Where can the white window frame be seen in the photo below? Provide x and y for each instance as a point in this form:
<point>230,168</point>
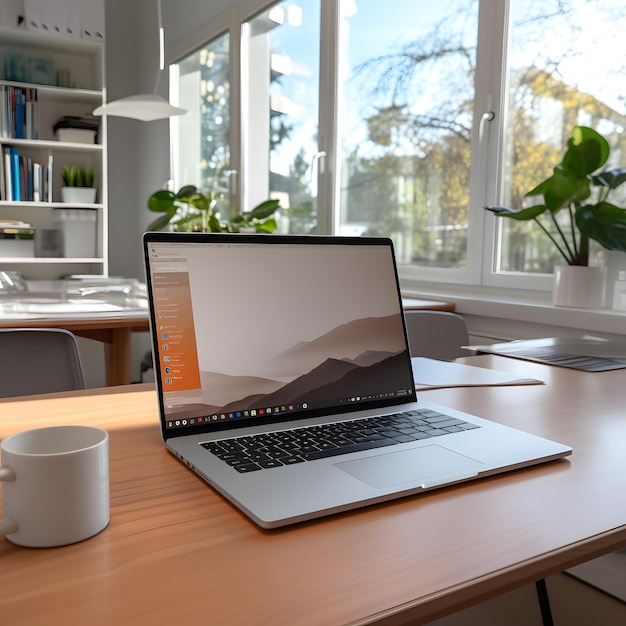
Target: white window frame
<point>227,22</point>
<point>487,143</point>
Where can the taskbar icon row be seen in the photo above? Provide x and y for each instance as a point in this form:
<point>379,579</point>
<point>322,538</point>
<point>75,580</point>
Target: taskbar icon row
<point>235,415</point>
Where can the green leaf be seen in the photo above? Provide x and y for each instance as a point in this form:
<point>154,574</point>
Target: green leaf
<point>587,151</point>
<point>611,178</point>
<point>162,201</point>
<point>566,188</point>
<point>268,226</point>
<point>604,222</point>
<point>263,210</point>
<point>518,214</point>
<point>160,222</point>
<point>214,224</point>
<point>562,188</point>
<point>200,201</point>
<point>186,192</point>
<point>69,176</point>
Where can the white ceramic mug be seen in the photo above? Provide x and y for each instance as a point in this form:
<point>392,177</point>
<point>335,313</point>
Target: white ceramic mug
<point>55,485</point>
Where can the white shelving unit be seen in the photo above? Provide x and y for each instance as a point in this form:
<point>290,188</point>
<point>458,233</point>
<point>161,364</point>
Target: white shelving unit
<point>81,62</point>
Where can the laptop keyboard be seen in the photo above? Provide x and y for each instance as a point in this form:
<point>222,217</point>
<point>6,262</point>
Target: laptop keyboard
<point>287,447</point>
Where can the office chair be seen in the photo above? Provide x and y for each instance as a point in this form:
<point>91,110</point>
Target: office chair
<point>38,360</point>
<point>436,334</point>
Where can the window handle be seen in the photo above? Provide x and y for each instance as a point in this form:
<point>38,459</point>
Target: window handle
<point>319,158</point>
<point>487,116</point>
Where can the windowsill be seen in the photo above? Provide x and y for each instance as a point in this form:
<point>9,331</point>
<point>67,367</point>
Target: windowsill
<point>521,306</point>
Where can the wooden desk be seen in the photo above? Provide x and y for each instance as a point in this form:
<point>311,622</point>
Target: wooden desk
<point>176,552</point>
<point>114,332</point>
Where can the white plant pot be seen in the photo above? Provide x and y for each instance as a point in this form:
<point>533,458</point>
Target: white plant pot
<point>78,195</point>
<point>579,286</point>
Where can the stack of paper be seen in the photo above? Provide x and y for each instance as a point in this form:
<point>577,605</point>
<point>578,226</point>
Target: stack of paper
<point>434,374</point>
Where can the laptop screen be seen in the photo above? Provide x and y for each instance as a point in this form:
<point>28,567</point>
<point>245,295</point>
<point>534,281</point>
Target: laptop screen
<point>273,328</point>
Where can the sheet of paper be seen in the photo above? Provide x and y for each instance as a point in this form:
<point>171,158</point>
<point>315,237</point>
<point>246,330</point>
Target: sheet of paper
<point>435,374</point>
<point>81,310</point>
<point>37,307</point>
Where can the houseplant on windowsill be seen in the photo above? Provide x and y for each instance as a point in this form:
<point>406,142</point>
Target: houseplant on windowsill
<point>581,191</point>
<point>78,185</point>
<point>190,210</point>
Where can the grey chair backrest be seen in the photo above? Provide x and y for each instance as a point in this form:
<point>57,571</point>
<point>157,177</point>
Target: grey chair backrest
<point>38,360</point>
<point>436,334</point>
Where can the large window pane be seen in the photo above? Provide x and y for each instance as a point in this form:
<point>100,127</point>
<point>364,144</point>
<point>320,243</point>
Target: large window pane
<point>406,97</point>
<point>202,138</point>
<point>282,109</point>
<point>565,68</point>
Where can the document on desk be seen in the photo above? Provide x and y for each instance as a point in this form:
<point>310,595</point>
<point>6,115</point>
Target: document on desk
<point>435,374</point>
<point>38,308</point>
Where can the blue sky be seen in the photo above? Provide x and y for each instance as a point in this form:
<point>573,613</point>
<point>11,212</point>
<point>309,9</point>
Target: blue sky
<point>376,28</point>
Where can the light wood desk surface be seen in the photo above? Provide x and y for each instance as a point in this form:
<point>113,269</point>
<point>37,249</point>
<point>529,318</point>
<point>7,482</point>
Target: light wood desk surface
<point>176,552</point>
<point>114,332</point>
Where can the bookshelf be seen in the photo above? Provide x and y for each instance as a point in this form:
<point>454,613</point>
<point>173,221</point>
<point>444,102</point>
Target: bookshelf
<point>76,68</point>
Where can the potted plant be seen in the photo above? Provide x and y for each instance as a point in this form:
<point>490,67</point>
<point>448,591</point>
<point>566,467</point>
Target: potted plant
<point>78,185</point>
<point>191,210</point>
<point>578,188</point>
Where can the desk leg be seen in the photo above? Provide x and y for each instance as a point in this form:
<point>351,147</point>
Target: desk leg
<point>544,602</point>
<point>118,357</point>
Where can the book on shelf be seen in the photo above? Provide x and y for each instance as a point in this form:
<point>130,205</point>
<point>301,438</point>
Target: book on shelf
<point>24,180</point>
<point>15,174</point>
<point>19,112</point>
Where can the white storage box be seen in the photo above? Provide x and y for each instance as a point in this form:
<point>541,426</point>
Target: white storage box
<point>78,229</point>
<point>75,135</point>
<point>17,241</point>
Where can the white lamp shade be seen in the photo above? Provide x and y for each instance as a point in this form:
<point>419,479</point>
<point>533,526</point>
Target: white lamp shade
<point>145,107</point>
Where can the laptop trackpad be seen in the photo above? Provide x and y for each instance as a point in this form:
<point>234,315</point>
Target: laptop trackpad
<point>421,465</point>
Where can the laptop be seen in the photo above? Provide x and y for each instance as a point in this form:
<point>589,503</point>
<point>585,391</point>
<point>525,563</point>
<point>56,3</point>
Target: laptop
<point>284,378</point>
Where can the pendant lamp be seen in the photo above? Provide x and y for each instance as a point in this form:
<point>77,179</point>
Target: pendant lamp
<point>148,106</point>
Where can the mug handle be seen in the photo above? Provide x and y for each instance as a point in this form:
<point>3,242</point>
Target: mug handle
<point>7,526</point>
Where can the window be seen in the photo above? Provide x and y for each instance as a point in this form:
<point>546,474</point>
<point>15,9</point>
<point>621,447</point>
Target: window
<point>281,110</point>
<point>406,109</point>
<point>202,137</point>
<point>404,119</point>
<point>564,69</point>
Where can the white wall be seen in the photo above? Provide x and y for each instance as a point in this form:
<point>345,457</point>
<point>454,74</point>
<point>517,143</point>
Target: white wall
<point>182,18</point>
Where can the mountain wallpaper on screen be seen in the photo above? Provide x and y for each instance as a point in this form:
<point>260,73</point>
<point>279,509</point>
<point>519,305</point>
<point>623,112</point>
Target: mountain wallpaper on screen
<point>365,357</point>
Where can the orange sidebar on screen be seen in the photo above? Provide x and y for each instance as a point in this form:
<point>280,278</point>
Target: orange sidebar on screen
<point>178,357</point>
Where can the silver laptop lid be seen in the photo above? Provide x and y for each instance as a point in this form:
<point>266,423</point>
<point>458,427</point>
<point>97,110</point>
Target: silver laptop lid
<point>266,328</point>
